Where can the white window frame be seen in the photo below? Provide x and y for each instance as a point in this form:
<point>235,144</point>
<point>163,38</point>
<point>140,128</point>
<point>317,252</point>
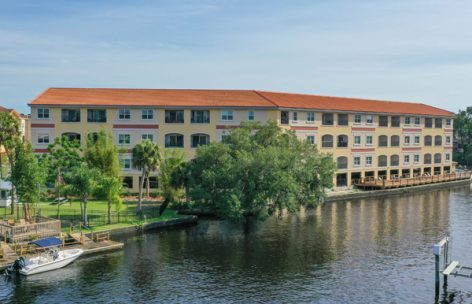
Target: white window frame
<point>417,121</point>
<point>447,157</point>
<point>354,161</point>
<point>227,115</point>
<point>406,159</point>
<point>369,163</point>
<point>120,113</point>
<point>43,136</point>
<point>311,136</point>
<point>310,117</point>
<point>371,140</point>
<point>145,136</point>
<point>369,118</point>
<point>355,119</point>
<point>147,114</point>
<point>124,135</point>
<point>407,120</point>
<point>43,110</point>
<point>419,140</point>
<point>405,141</point>
<point>448,122</point>
<point>251,115</point>
<point>124,161</point>
<point>416,159</point>
<point>360,140</point>
<point>448,140</point>
<point>295,117</point>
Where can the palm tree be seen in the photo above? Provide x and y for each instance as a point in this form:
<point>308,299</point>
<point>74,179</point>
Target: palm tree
<point>146,157</point>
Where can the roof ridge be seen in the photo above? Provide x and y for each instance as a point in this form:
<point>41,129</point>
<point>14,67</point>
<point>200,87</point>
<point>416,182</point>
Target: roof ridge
<point>264,97</point>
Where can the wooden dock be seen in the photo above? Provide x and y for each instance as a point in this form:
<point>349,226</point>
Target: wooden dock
<point>369,183</point>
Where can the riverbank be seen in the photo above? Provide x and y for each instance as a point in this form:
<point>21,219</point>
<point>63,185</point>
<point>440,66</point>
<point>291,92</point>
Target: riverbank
<point>358,194</point>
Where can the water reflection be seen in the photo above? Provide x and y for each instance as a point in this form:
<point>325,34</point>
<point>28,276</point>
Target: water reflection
<point>360,251</point>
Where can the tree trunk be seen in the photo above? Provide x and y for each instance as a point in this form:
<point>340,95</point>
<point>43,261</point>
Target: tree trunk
<point>163,206</point>
<point>12,199</point>
<point>147,186</point>
<point>1,165</point>
<point>109,211</point>
<point>26,211</point>
<point>85,219</point>
<point>82,211</point>
<point>140,199</point>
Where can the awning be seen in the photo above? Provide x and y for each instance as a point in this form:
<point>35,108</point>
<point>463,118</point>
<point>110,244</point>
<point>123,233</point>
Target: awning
<point>47,242</point>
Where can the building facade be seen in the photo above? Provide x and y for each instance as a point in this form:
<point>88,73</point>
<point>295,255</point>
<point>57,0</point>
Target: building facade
<point>366,138</point>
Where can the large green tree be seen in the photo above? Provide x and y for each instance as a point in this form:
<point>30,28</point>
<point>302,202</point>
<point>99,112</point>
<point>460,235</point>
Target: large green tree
<point>28,175</point>
<point>145,157</point>
<point>463,136</point>
<point>257,170</point>
<point>172,162</point>
<point>9,137</point>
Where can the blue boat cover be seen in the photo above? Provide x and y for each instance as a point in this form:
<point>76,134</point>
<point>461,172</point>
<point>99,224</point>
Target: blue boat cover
<point>47,242</point>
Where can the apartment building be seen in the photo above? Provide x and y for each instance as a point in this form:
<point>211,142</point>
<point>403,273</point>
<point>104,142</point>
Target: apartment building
<point>367,138</point>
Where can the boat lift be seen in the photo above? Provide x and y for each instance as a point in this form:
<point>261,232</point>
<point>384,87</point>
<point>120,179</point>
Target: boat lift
<point>449,268</point>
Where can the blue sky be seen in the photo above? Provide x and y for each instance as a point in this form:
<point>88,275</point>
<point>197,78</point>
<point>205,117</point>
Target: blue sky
<point>393,50</point>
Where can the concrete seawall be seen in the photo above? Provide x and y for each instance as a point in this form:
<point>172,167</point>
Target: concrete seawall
<point>396,191</point>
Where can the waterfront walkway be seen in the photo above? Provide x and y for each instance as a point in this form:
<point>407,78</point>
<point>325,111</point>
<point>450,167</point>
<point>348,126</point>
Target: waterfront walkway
<point>370,183</point>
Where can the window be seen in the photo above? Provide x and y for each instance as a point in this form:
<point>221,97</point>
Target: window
<point>383,121</point>
<point>310,139</point>
<point>174,141</point>
<point>427,159</point>
<point>200,116</point>
<point>327,141</point>
<point>225,137</point>
<point>438,140</point>
<point>416,158</point>
<point>70,115</point>
<point>357,140</point>
<point>369,119</point>
<point>428,122</point>
<point>43,113</point>
<point>153,182</point>
<point>250,115</point>
<point>407,120</point>
<point>437,158</point>
<point>327,119</point>
<point>369,140</point>
<point>406,159</point>
<point>43,138</point>
<point>128,182</point>
<point>343,119</point>
<point>357,119</point>
<point>94,115</point>
<point>200,139</point>
<point>395,141</point>
<point>149,137</point>
<point>406,140</point>
<point>428,140</point>
<point>357,161</point>
<point>284,117</point>
<point>174,116</point>
<point>448,140</point>
<point>126,164</point>
<point>310,116</point>
<point>368,160</point>
<point>448,122</point>
<point>124,139</point>
<point>227,115</point>
<point>295,116</point>
<point>438,123</point>
<point>382,161</point>
<point>448,157</point>
<point>147,114</point>
<point>71,136</point>
<point>395,121</point>
<point>383,141</point>
<point>124,114</point>
<point>342,141</point>
<point>417,121</point>
<point>417,139</point>
<point>341,162</point>
<point>394,160</point>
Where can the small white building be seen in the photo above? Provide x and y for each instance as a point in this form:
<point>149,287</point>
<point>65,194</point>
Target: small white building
<point>5,194</point>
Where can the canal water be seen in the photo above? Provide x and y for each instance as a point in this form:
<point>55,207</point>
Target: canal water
<point>361,251</point>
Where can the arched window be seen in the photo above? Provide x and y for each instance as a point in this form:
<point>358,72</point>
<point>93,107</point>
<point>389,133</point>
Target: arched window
<point>438,140</point>
<point>395,141</point>
<point>341,162</point>
<point>437,158</point>
<point>394,160</point>
<point>342,141</point>
<point>383,141</point>
<point>428,140</point>
<point>427,159</point>
<point>200,139</point>
<point>327,141</point>
<point>71,136</point>
<point>382,160</point>
<point>174,140</point>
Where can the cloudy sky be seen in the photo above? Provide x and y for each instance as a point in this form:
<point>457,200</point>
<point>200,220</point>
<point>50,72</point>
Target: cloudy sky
<point>395,50</point>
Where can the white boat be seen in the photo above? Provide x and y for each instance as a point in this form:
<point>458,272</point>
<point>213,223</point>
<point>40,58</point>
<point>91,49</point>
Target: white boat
<point>50,261</point>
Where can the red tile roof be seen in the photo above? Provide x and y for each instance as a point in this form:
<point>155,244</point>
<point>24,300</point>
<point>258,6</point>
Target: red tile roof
<point>226,98</point>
